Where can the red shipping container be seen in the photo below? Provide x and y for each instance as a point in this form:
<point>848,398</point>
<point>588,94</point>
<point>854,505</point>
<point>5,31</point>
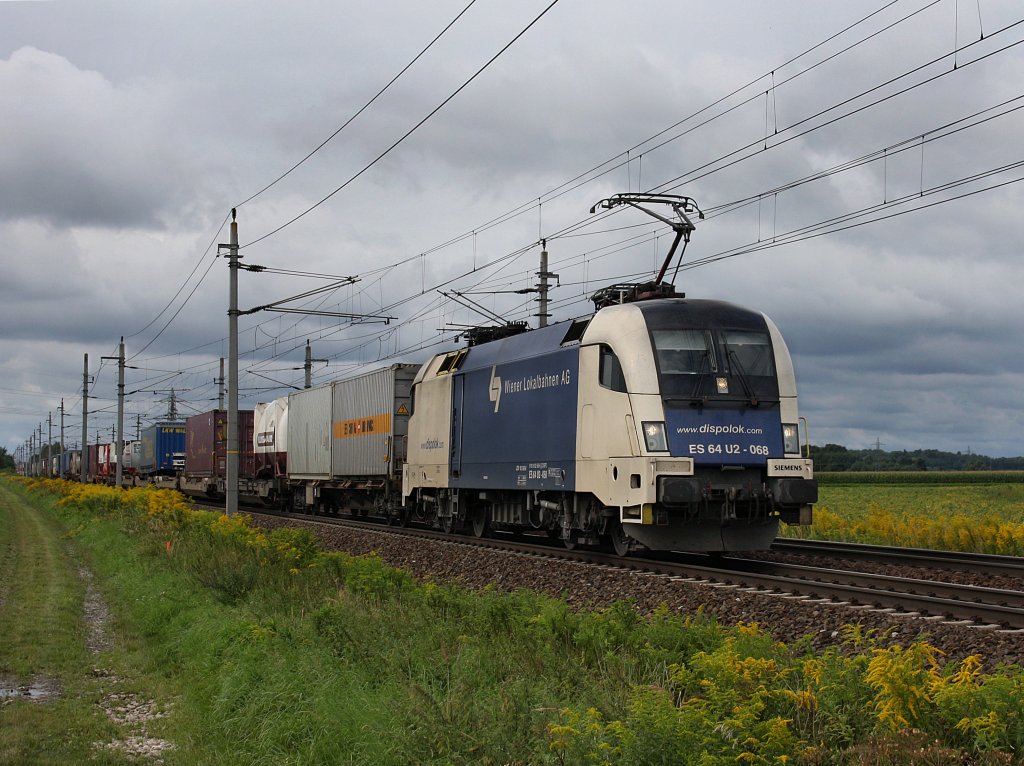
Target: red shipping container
<point>206,444</point>
<point>93,456</point>
<point>105,465</point>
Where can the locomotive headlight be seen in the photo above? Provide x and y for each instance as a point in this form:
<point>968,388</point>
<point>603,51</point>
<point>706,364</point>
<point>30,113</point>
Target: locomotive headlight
<point>790,438</point>
<point>654,437</point>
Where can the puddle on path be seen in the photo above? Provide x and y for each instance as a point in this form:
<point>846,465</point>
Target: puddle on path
<point>39,689</point>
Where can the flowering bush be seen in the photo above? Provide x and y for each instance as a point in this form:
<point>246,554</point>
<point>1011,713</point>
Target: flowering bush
<point>753,700</point>
<point>676,689</point>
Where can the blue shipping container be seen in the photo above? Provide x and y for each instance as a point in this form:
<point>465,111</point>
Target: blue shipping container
<point>162,446</point>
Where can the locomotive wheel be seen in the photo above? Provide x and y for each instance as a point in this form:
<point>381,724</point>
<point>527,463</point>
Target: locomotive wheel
<point>619,539</point>
<point>481,521</point>
<point>447,524</point>
<point>572,541</point>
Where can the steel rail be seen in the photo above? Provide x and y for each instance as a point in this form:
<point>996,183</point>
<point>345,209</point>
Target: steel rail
<point>988,563</point>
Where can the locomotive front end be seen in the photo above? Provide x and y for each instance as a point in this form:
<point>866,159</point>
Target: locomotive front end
<point>707,396</point>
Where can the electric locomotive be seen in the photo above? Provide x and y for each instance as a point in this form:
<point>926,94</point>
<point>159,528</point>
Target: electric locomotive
<point>669,423</point>
<point>660,421</point>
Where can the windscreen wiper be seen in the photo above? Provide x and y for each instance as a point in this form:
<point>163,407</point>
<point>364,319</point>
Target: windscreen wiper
<point>741,374</point>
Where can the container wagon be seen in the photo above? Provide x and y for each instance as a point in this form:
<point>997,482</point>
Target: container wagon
<point>206,446</point>
<point>347,443</point>
<point>162,453</point>
<point>270,436</point>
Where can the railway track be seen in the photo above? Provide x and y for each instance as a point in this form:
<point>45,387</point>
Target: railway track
<point>927,599</point>
<point>985,563</point>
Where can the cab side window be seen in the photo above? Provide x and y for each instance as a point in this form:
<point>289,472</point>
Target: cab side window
<point>610,371</point>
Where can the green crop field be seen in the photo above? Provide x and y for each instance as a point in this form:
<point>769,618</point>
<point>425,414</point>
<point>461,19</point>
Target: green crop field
<point>950,511</point>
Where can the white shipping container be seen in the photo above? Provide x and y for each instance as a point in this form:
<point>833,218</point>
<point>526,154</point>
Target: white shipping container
<point>271,428</point>
<point>309,433</point>
<point>370,421</point>
<point>132,454</point>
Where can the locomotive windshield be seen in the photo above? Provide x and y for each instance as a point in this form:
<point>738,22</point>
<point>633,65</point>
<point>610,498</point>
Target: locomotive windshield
<point>684,352</point>
<point>749,352</point>
<point>697,363</point>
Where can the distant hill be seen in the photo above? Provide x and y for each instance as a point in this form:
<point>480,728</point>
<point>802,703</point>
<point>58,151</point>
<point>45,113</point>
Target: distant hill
<point>835,457</point>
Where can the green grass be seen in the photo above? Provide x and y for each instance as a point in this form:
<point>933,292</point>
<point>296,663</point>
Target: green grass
<point>42,644</point>
<point>266,650</point>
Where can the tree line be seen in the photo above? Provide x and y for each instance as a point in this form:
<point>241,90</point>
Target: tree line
<point>835,457</point>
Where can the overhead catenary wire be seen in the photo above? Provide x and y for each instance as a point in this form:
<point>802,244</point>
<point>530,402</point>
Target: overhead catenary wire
<point>581,230</point>
<point>411,130</point>
<point>280,178</point>
<point>361,109</point>
<point>533,202</point>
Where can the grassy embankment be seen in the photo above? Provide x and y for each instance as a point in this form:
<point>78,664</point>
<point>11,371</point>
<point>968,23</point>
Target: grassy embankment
<point>971,511</point>
<point>267,650</point>
<point>42,643</point>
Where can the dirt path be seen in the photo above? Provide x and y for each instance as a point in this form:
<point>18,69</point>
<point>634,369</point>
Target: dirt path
<point>58,657</point>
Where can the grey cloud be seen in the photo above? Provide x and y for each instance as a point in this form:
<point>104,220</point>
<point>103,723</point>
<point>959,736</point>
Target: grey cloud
<point>138,127</point>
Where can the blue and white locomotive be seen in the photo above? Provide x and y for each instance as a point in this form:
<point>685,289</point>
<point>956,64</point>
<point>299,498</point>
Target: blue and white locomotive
<point>670,422</point>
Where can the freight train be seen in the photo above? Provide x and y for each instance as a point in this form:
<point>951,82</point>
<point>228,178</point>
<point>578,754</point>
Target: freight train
<point>657,422</point>
<point>157,457</point>
<point>668,423</point>
<point>662,423</point>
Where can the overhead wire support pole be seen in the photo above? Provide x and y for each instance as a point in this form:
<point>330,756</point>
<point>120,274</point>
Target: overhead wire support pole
<point>220,386</point>
<point>60,471</point>
<point>120,413</point>
<point>84,472</point>
<point>543,286</point>
<point>118,445</point>
<point>231,490</point>
<point>308,366</point>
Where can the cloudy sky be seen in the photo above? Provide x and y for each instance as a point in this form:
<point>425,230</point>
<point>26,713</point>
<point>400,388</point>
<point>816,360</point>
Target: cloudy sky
<point>857,163</point>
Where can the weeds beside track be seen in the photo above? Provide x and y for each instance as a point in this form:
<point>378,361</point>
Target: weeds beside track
<point>286,654</point>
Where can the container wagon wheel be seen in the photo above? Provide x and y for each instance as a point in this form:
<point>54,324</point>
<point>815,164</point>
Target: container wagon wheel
<point>398,518</point>
<point>481,521</point>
